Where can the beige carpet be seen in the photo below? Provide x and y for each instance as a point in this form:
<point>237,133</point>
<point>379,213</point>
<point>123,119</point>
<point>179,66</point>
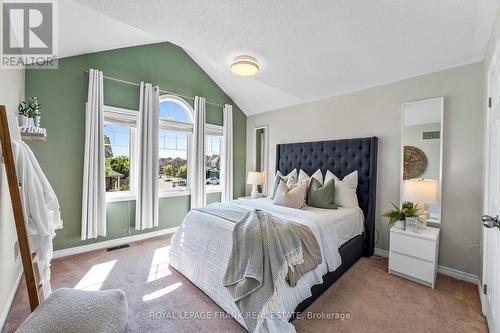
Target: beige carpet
<point>161,300</point>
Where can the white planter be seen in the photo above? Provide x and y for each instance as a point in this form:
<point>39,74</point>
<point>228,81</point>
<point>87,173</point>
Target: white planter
<point>37,121</point>
<point>400,224</point>
<point>23,121</point>
<point>31,122</point>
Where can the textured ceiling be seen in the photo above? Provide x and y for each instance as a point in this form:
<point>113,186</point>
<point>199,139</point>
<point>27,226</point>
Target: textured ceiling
<point>84,30</point>
<point>312,49</point>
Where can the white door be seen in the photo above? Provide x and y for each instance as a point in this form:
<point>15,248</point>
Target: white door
<point>491,231</point>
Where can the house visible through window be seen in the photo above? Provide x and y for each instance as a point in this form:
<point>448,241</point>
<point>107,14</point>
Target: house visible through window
<point>176,127</point>
<point>213,148</point>
<point>174,147</point>
<point>117,143</point>
<point>173,150</point>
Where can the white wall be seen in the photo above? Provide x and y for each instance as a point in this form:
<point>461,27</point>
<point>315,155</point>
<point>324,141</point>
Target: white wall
<point>11,93</point>
<point>377,112</point>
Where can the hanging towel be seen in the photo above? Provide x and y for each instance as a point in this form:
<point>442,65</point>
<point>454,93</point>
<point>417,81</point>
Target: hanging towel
<point>41,209</point>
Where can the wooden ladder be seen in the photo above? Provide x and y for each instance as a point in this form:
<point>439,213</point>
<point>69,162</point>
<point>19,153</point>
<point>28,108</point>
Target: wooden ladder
<point>17,208</point>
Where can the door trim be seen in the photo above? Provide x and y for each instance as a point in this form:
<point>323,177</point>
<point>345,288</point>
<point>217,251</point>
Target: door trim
<point>486,160</point>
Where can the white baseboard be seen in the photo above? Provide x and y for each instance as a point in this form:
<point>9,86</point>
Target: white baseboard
<point>454,273</point>
<point>8,304</point>
<point>111,243</point>
<point>381,253</point>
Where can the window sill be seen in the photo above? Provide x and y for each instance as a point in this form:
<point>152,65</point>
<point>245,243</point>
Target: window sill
<point>132,197</point>
<point>118,197</point>
<point>213,190</point>
<point>174,194</point>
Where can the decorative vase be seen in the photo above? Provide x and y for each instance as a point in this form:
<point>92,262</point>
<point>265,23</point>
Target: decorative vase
<point>31,122</point>
<point>421,224</point>
<point>37,121</point>
<point>411,223</point>
<point>400,224</point>
<point>23,120</point>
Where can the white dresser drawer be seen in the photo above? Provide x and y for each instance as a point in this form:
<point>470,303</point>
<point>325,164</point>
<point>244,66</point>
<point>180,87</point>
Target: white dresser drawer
<point>413,267</point>
<point>413,246</point>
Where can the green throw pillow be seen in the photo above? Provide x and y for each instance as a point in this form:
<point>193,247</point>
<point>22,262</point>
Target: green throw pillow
<point>276,184</point>
<point>321,196</point>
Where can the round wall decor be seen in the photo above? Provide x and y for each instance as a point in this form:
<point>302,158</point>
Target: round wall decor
<point>415,162</point>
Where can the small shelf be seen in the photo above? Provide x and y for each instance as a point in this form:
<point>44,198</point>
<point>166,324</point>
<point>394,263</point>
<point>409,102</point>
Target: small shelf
<point>33,137</point>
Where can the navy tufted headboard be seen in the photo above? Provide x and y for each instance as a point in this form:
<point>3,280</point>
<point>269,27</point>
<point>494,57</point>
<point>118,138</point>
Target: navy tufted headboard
<point>340,157</point>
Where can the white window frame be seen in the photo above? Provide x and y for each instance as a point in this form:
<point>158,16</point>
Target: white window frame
<point>172,125</point>
<point>217,130</point>
<point>124,117</point>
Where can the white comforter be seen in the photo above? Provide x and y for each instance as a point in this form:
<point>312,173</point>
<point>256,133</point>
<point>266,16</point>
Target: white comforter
<point>201,247</point>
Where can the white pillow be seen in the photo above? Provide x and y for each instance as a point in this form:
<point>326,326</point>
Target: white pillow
<point>292,197</point>
<point>290,179</point>
<point>345,189</point>
<point>304,177</point>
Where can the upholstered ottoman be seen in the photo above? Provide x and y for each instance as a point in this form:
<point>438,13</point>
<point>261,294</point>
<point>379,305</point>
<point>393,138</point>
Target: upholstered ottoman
<point>79,311</point>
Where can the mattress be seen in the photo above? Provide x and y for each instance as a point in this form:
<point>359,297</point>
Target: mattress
<point>201,247</point>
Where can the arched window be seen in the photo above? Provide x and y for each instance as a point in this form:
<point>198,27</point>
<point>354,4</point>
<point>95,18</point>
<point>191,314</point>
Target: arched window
<point>173,108</point>
<point>176,128</point>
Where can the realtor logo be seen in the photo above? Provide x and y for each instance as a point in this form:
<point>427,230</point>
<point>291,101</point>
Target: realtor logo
<point>29,34</point>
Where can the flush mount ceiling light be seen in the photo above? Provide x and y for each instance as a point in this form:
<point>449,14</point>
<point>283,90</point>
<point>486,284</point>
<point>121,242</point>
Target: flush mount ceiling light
<point>245,66</point>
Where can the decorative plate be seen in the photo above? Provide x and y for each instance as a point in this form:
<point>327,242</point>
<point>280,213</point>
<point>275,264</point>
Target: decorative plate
<point>415,162</point>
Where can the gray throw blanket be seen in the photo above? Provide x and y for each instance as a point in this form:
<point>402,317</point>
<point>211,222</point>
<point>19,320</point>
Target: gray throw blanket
<point>266,251</point>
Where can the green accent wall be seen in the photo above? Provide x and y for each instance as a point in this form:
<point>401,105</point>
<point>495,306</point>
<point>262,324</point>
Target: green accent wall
<point>63,93</point>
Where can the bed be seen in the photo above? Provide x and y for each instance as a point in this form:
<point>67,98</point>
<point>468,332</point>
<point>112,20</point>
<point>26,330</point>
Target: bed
<point>201,247</point>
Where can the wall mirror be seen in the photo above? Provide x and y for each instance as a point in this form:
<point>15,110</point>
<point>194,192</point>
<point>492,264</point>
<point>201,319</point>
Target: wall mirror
<point>261,142</point>
<point>422,156</point>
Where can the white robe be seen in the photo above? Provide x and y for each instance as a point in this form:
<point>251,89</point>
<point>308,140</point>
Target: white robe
<point>41,209</point>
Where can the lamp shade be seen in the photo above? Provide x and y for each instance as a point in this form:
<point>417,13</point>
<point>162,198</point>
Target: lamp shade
<point>255,178</point>
<point>420,191</point>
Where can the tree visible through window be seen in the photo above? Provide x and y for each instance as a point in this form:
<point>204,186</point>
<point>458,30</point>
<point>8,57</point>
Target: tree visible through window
<point>173,150</point>
<point>117,157</point>
<point>175,128</point>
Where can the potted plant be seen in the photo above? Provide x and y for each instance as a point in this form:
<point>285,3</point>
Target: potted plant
<point>398,216</point>
<point>29,112</point>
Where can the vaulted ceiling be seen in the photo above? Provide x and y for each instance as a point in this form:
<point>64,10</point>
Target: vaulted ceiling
<point>307,49</point>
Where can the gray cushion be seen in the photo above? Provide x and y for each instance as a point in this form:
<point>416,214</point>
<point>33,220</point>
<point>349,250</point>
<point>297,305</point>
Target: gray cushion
<point>321,196</point>
<point>79,311</point>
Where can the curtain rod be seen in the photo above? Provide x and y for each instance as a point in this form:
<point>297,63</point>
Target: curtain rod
<point>162,91</point>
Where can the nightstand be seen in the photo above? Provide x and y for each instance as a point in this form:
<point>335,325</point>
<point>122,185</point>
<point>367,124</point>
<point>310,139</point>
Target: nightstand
<point>414,256</point>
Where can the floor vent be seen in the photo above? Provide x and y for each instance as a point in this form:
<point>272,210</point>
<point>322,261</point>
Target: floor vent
<point>109,249</point>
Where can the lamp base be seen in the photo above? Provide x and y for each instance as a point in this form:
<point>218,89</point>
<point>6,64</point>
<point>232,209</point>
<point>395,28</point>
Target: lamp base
<point>254,194</point>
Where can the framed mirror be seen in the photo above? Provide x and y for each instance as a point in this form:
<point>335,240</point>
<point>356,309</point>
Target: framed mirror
<point>261,138</point>
<point>422,156</point>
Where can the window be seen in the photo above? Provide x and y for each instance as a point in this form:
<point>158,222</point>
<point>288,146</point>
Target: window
<point>119,149</point>
<point>174,147</point>
<point>173,152</point>
<point>176,127</point>
<point>170,110</point>
<point>213,149</point>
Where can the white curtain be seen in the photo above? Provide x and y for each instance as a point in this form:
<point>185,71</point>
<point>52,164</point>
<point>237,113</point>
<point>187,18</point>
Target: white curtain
<point>197,172</point>
<point>94,194</point>
<point>227,155</point>
<point>146,209</point>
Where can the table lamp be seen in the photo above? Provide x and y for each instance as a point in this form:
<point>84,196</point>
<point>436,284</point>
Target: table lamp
<point>421,192</point>
<point>254,179</point>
